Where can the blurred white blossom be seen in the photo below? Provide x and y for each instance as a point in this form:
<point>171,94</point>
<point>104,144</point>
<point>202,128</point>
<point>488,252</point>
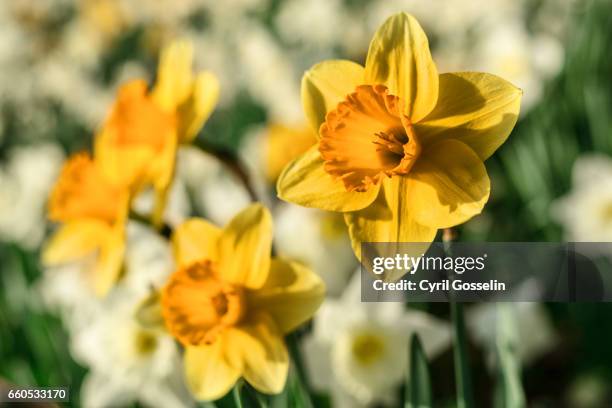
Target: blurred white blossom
<point>25,182</point>
<point>127,362</point>
<point>532,326</point>
<point>586,211</point>
<point>358,351</point>
<point>217,193</point>
<point>328,252</point>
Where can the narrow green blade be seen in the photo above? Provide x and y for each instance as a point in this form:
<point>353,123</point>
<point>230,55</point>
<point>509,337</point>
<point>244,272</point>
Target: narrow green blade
<point>418,385</point>
<point>509,390</point>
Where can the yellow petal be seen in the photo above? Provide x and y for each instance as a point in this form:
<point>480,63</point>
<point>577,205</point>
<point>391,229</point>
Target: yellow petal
<point>258,345</point>
<point>109,262</point>
<point>399,58</point>
<point>196,109</point>
<point>325,85</point>
<point>305,182</point>
<point>245,247</point>
<point>291,294</point>
<point>209,375</point>
<point>174,78</point>
<point>448,185</point>
<point>75,240</point>
<point>137,143</point>
<point>388,219</point>
<point>195,240</point>
<point>282,144</point>
<point>477,109</point>
<point>125,166</point>
<point>161,173</point>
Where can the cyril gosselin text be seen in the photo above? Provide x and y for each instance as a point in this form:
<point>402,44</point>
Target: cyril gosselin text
<point>445,274</point>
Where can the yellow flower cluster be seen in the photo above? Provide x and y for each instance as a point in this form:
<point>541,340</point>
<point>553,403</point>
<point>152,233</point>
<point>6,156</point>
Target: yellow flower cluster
<point>399,151</point>
<point>134,149</point>
<point>228,302</point>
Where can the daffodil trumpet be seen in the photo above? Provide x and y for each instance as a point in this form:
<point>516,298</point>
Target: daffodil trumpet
<point>92,212</point>
<point>400,148</point>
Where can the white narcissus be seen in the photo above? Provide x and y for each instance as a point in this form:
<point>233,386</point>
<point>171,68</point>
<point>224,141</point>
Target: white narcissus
<point>127,362</point>
<point>358,351</point>
<point>586,211</point>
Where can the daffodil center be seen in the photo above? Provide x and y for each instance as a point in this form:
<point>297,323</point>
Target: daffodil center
<point>367,137</point>
<point>367,348</point>
<point>197,305</point>
<point>606,213</point>
<point>145,342</point>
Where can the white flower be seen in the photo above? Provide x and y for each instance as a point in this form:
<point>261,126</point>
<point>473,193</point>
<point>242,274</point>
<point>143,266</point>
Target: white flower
<point>217,192</point>
<point>510,51</point>
<point>359,351</point>
<point>66,290</point>
<point>586,211</point>
<point>269,76</point>
<point>532,328</point>
<point>25,183</point>
<point>328,251</point>
<point>127,361</point>
<point>317,23</point>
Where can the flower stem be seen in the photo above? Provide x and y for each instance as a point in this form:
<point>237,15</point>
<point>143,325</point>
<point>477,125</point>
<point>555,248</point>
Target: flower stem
<point>300,370</point>
<point>465,398</point>
<point>231,160</point>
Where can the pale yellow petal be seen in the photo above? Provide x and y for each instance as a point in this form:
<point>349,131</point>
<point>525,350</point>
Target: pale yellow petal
<point>209,375</point>
<point>477,109</point>
<point>325,85</point>
<point>258,344</point>
<point>124,166</point>
<point>291,295</point>
<point>196,109</point>
<point>245,247</point>
<point>174,76</point>
<point>388,219</point>
<point>75,240</point>
<point>110,261</point>
<point>448,185</point>
<point>161,173</point>
<point>399,58</point>
<point>195,240</point>
<point>305,182</point>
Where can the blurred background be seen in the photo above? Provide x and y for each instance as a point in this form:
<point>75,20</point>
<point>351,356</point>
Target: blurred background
<point>61,62</point>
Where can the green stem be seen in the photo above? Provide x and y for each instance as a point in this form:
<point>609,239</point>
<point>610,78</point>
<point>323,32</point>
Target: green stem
<point>236,393</point>
<point>463,381</point>
<point>300,369</point>
<point>231,160</point>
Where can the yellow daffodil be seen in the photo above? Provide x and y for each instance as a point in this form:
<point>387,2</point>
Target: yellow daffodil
<point>93,213</point>
<point>137,144</point>
<point>230,305</point>
<point>401,147</point>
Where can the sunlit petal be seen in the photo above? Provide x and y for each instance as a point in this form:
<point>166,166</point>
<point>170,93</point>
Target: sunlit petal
<point>305,182</point>
<point>477,109</point>
<point>399,58</point>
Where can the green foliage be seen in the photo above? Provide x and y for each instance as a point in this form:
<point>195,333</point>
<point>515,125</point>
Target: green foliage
<point>509,390</point>
<point>418,383</point>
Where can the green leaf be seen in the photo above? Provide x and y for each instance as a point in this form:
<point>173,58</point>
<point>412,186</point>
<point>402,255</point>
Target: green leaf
<point>509,390</point>
<point>418,385</point>
<point>465,398</point>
